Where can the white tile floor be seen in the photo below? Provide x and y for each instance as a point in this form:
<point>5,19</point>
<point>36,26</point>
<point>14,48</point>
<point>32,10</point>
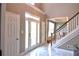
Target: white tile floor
<point>48,51</point>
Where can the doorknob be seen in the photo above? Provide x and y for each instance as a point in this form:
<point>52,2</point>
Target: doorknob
<point>17,39</point>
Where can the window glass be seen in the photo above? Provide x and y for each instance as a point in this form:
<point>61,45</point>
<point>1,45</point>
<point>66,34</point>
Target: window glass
<point>51,28</point>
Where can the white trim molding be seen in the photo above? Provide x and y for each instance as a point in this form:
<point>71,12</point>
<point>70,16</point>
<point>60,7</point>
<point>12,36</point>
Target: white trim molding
<point>3,10</point>
<point>36,8</point>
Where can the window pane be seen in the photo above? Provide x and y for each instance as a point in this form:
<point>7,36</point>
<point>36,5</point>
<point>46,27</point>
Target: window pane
<point>33,33</point>
<point>51,28</point>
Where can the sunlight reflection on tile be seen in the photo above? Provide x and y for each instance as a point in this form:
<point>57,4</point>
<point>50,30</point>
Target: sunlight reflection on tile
<point>49,51</point>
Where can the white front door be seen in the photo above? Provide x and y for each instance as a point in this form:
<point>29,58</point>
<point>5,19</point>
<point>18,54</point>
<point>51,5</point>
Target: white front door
<point>12,32</point>
<point>31,33</point>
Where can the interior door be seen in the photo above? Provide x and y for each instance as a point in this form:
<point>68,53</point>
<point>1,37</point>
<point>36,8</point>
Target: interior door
<point>12,32</point>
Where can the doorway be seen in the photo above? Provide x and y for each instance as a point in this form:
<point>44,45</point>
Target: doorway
<point>12,31</point>
<point>32,29</point>
<point>51,29</point>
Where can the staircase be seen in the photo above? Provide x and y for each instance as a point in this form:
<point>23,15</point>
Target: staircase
<point>67,32</point>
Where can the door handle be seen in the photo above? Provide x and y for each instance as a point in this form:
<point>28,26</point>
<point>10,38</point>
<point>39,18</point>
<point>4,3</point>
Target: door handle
<point>17,39</point>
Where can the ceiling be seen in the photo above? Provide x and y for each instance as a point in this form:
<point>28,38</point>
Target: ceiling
<point>59,19</point>
<point>55,10</point>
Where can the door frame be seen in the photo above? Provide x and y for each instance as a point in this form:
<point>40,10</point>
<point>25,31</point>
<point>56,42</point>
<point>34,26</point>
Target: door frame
<point>3,10</point>
<point>29,29</point>
<point>48,27</point>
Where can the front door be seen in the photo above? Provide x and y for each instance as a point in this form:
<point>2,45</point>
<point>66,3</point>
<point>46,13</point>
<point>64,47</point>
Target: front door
<point>32,33</point>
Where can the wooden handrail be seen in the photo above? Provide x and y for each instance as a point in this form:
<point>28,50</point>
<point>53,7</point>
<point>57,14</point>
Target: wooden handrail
<point>67,21</point>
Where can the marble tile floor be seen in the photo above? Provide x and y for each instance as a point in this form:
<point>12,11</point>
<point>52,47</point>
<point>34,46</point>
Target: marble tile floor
<point>48,51</point>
